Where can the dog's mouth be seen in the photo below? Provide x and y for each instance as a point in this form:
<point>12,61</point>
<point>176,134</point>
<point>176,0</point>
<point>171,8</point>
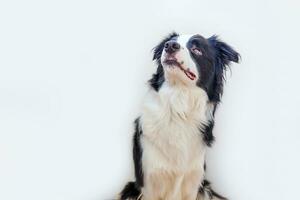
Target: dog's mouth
<point>174,62</point>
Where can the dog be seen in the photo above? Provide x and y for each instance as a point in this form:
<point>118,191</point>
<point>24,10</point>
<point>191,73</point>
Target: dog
<point>176,123</point>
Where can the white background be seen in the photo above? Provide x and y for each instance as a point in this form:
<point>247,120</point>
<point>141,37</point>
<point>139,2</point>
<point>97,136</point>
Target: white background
<point>73,74</point>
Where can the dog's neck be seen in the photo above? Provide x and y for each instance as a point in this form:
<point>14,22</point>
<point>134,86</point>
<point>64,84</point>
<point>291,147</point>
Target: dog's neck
<point>186,102</point>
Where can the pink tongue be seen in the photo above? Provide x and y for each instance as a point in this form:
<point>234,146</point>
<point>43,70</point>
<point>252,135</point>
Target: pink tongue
<point>190,74</point>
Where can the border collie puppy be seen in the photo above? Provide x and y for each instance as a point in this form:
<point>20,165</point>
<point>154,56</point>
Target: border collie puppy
<point>177,119</point>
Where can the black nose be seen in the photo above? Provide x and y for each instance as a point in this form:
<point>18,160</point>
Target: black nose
<point>171,46</point>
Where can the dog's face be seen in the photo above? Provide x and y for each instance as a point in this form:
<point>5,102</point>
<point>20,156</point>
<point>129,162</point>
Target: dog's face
<point>185,58</point>
<point>194,60</point>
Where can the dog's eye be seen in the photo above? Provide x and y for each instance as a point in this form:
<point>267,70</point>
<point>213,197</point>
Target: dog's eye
<point>197,51</point>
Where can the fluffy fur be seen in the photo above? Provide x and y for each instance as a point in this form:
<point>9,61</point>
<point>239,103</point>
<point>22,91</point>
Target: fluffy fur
<point>176,123</point>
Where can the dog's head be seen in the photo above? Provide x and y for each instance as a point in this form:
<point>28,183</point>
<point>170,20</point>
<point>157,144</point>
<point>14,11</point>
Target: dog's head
<point>193,60</point>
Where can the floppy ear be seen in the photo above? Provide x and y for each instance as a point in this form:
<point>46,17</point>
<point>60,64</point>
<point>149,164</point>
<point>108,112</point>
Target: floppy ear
<point>224,54</point>
<point>158,77</point>
<point>157,51</point>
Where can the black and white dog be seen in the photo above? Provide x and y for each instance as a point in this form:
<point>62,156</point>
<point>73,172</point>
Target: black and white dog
<point>176,123</point>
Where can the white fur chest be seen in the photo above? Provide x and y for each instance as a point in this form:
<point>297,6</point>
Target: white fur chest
<point>170,121</point>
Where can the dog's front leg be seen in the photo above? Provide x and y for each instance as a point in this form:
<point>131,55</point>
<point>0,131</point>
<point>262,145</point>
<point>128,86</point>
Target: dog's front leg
<point>162,185</point>
<point>191,184</point>
<point>175,188</point>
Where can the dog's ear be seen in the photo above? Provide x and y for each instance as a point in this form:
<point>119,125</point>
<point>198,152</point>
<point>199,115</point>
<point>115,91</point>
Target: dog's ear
<point>224,54</point>
<point>157,51</point>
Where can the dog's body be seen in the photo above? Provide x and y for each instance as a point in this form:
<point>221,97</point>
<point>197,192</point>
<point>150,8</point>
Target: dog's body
<point>175,126</point>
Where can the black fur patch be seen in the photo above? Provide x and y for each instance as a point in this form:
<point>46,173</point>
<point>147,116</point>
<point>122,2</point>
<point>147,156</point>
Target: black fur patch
<point>207,134</point>
<point>216,56</point>
<point>157,79</point>
<point>223,55</point>
<point>131,190</point>
<point>137,154</point>
<point>205,188</point>
<point>204,63</point>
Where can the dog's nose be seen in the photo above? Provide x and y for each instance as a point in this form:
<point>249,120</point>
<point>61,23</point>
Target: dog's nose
<point>172,46</point>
